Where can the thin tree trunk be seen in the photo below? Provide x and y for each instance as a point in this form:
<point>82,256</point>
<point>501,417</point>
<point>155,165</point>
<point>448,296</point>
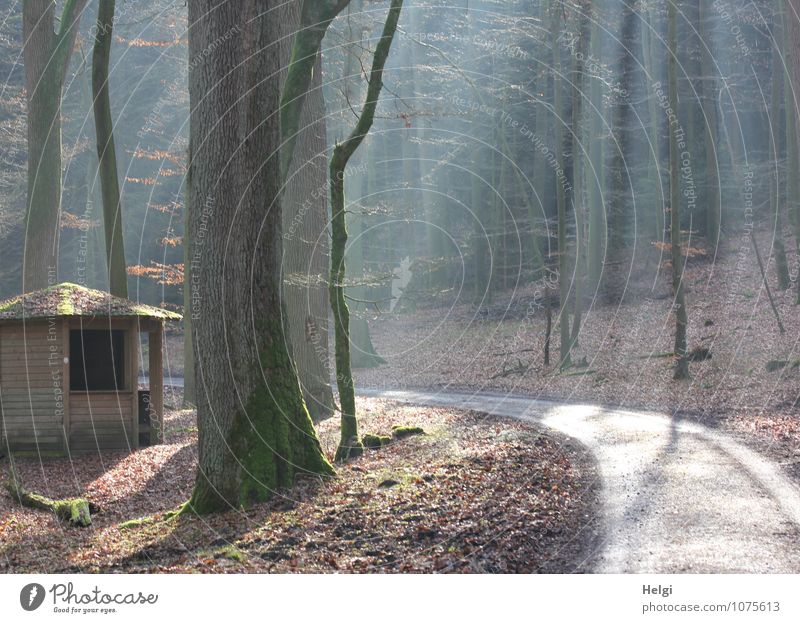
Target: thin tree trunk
<point>189,378</point>
<point>709,100</point>
<point>350,444</point>
<point>791,37</point>
<point>255,434</point>
<point>776,101</point>
<point>578,175</point>
<point>561,203</point>
<point>654,163</point>
<point>46,57</point>
<point>793,110</point>
<point>596,188</point>
<point>681,363</point>
<point>106,152</point>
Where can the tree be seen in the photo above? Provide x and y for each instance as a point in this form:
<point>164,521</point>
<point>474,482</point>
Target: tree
<point>791,35</point>
<point>254,431</point>
<point>349,444</point>
<point>106,152</point>
<point>305,222</point>
<point>563,260</point>
<point>596,226</point>
<point>709,98</point>
<point>681,360</point>
<point>579,175</point>
<point>46,55</point>
<point>776,102</point>
<point>621,216</point>
<point>362,350</point>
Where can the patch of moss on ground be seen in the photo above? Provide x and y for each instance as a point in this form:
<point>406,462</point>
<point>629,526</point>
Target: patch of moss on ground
<point>401,431</point>
<point>374,442</point>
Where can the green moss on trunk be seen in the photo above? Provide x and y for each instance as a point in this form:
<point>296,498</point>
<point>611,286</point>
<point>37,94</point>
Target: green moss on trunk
<point>349,444</point>
<point>273,439</point>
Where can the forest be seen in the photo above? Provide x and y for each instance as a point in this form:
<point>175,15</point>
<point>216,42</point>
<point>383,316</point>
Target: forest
<point>406,286</point>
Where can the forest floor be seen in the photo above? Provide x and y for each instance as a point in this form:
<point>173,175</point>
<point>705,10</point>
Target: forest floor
<point>473,494</point>
<point>747,384</point>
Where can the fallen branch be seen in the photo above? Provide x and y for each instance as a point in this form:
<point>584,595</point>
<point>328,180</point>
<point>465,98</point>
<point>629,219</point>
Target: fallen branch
<point>77,511</point>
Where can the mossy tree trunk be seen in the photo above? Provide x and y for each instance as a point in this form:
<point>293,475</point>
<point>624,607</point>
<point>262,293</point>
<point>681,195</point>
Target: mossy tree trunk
<point>46,56</point>
<point>315,17</point>
<point>362,350</point>
<point>681,363</point>
<point>106,152</point>
<point>255,433</point>
<point>349,444</point>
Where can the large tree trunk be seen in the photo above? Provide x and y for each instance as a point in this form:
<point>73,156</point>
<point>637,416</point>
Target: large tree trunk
<point>106,152</point>
<point>255,433</point>
<point>305,226</point>
<point>46,57</point>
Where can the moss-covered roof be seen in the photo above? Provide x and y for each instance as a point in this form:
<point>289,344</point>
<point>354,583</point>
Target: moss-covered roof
<point>69,299</point>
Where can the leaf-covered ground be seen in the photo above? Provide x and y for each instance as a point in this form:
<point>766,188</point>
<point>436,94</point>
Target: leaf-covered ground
<point>748,382</point>
<point>474,494</point>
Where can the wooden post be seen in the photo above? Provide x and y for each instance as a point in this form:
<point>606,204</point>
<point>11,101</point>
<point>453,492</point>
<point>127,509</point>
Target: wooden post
<point>156,385</point>
<point>133,375</point>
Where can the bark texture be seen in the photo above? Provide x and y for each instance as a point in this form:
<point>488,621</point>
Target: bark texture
<point>255,433</point>
<point>306,248</point>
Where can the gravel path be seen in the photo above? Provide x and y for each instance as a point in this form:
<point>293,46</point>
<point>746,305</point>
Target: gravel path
<point>676,496</point>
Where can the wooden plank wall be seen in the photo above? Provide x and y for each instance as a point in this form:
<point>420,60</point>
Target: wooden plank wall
<point>32,385</point>
<point>35,396</point>
<point>101,420</point>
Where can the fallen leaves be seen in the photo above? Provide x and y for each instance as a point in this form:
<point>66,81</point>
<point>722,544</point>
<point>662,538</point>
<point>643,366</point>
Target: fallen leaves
<point>472,495</point>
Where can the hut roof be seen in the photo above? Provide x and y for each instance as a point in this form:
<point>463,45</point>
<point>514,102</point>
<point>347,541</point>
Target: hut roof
<point>69,299</point>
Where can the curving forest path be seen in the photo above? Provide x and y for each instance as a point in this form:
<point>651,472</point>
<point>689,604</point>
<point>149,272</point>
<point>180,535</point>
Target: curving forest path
<point>675,496</point>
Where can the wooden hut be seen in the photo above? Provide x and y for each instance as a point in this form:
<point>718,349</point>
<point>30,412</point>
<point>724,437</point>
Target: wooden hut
<point>69,371</point>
